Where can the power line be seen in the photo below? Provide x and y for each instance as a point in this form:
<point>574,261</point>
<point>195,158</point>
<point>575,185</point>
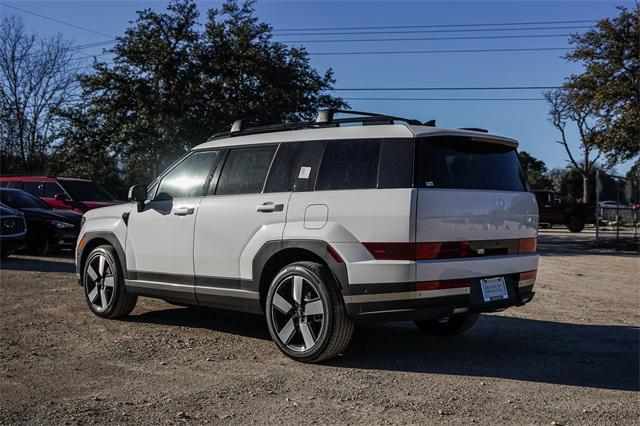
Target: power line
<point>444,99</point>
<point>434,31</point>
<point>399,52</point>
<point>57,20</point>
<point>436,26</point>
<point>77,47</point>
<point>426,38</point>
<point>349,89</point>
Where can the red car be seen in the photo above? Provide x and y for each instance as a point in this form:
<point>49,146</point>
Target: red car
<point>61,192</point>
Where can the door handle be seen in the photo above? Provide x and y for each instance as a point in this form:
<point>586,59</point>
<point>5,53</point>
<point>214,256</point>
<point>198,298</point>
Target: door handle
<point>269,207</point>
<point>183,211</point>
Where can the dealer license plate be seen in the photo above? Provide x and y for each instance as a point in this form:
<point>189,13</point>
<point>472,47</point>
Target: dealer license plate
<point>494,289</point>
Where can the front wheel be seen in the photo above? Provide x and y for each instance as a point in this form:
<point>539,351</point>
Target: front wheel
<point>447,326</point>
<point>305,313</point>
<point>104,287</point>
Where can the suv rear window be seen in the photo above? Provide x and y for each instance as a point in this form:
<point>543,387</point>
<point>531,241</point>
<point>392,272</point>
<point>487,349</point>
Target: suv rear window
<point>349,164</point>
<point>461,163</point>
<point>287,171</point>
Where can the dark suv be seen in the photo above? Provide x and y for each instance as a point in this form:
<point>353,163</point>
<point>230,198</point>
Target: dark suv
<point>62,193</point>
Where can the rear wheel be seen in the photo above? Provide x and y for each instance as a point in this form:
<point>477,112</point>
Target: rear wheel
<point>39,241</point>
<point>306,316</point>
<point>575,223</point>
<point>446,326</point>
<point>104,287</point>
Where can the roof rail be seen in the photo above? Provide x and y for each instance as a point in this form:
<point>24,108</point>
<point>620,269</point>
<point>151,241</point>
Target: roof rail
<point>327,116</point>
<point>324,119</point>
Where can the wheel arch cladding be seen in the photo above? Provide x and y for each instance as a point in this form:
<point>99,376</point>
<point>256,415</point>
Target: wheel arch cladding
<point>275,255</point>
<point>96,239</point>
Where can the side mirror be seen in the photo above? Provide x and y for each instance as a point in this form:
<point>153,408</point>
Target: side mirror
<point>62,197</point>
<point>137,193</point>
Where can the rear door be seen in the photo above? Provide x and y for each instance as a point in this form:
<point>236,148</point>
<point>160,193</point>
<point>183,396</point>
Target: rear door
<point>472,201</point>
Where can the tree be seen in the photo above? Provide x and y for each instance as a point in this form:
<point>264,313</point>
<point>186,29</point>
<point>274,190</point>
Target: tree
<point>173,83</point>
<point>37,77</point>
<point>536,171</point>
<point>609,87</point>
<point>563,111</point>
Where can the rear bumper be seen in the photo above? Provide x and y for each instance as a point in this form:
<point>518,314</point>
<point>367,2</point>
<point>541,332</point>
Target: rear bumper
<point>401,301</point>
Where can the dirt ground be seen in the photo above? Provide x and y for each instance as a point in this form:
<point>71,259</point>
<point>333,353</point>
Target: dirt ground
<point>569,357</point>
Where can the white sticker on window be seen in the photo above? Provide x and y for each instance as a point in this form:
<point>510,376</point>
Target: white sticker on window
<point>304,173</point>
<point>428,183</point>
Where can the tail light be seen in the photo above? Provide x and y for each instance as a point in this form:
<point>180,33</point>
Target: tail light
<point>436,250</point>
<point>392,251</point>
<point>447,250</point>
<point>527,278</point>
<point>444,284</point>
<point>527,245</point>
<point>333,253</point>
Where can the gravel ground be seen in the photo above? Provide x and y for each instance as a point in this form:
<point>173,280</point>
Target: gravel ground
<point>569,357</point>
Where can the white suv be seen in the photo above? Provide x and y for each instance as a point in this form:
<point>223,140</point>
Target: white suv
<point>319,226</point>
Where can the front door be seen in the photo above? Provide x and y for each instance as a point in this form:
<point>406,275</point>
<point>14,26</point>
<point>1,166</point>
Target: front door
<point>159,245</point>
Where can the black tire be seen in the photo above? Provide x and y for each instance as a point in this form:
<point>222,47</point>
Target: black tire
<point>120,302</point>
<point>39,241</point>
<point>448,325</point>
<point>334,327</point>
<point>575,223</point>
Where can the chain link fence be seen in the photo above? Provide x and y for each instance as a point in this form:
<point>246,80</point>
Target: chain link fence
<point>617,210</point>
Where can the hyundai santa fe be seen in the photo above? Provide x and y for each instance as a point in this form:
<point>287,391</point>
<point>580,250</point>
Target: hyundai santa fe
<point>319,226</point>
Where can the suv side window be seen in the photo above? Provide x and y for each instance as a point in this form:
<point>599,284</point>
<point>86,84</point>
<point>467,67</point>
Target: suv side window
<point>187,179</point>
<point>396,163</point>
<point>349,164</point>
<point>33,188</point>
<point>245,170</point>
<point>287,173</point>
<point>51,189</point>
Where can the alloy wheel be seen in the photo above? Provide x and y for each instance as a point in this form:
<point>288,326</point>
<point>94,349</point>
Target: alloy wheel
<point>99,282</point>
<point>297,313</point>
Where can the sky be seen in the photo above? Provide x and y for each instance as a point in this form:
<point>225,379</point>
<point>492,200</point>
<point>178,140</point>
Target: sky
<point>525,120</point>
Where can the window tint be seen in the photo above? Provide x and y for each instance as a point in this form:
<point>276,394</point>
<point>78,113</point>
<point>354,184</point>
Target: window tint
<point>396,163</point>
<point>187,178</point>
<point>245,170</point>
<point>349,164</point>
<point>51,189</point>
<point>83,190</point>
<point>287,173</point>
<point>33,188</point>
<point>454,162</point>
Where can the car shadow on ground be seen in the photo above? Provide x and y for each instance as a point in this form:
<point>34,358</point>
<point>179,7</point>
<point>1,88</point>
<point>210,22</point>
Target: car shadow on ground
<point>236,323</point>
<point>568,245</point>
<point>57,263</point>
<point>597,356</point>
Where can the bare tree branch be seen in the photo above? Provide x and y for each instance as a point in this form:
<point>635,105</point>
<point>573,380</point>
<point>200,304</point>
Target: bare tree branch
<point>37,76</point>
